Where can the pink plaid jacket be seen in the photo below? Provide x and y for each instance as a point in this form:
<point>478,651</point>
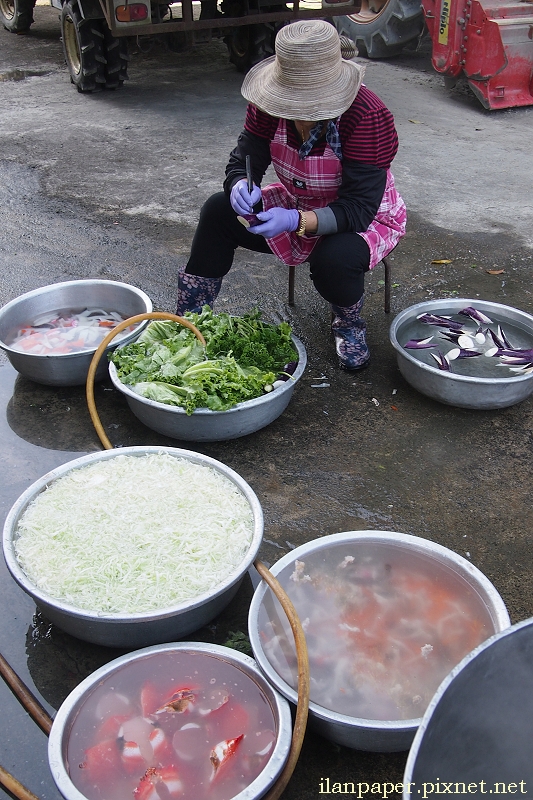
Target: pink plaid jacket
<point>314,182</point>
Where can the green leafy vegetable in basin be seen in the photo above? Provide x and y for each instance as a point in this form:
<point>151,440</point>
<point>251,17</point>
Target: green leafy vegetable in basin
<point>242,359</point>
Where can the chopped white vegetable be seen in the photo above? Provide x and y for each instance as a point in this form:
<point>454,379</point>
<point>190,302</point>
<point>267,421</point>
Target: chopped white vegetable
<point>67,331</point>
<point>134,534</point>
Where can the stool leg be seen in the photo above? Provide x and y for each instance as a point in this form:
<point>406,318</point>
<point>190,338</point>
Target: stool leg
<point>291,285</point>
<point>387,266</point>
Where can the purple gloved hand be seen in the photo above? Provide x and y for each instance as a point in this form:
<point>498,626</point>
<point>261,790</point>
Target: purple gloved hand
<point>275,221</point>
<point>241,201</point>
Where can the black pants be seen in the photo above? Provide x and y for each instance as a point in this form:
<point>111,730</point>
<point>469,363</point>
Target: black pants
<point>337,264</point>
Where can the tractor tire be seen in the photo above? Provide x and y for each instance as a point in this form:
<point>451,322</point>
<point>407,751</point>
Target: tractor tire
<point>116,54</point>
<point>382,28</point>
<point>16,15</point>
<point>84,49</point>
<point>250,44</point>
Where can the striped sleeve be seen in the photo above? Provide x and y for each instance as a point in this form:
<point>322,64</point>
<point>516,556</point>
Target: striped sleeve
<point>367,131</point>
<point>260,123</point>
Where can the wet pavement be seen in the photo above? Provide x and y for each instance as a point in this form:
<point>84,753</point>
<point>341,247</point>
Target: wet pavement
<point>360,452</point>
<point>366,452</point>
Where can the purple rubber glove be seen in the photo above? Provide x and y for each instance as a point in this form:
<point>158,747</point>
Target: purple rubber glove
<point>241,201</point>
<point>276,220</point>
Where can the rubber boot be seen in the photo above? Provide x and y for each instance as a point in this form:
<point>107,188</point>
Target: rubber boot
<point>349,331</point>
<point>195,292</point>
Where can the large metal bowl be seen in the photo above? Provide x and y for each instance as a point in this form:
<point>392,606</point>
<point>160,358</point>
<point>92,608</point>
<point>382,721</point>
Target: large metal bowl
<point>133,630</point>
<point>204,425</point>
<point>377,735</point>
<point>66,369</point>
<point>81,696</point>
<point>469,389</point>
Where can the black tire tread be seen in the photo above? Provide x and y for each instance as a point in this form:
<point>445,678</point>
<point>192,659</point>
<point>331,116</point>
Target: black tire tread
<point>400,23</point>
<point>22,18</point>
<point>90,39</point>
<point>116,50</point>
<point>260,45</point>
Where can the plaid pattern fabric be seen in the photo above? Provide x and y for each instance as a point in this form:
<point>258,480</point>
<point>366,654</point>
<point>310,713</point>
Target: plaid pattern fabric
<point>332,138</point>
<point>388,226</point>
<point>313,182</point>
<point>307,183</point>
<point>366,130</point>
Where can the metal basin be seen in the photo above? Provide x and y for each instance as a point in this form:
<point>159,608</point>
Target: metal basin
<point>477,728</point>
<point>80,702</point>
<point>363,656</point>
<point>204,425</point>
<point>478,385</point>
<point>133,630</point>
<point>68,369</point>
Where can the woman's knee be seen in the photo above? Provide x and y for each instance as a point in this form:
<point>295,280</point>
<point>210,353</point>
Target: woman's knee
<point>338,265</point>
<point>214,208</point>
<point>213,246</point>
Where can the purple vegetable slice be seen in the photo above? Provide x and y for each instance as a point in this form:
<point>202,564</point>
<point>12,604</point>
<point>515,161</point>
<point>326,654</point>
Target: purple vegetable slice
<point>442,361</point>
<point>445,322</point>
<point>419,344</point>
<point>473,313</point>
<point>458,352</point>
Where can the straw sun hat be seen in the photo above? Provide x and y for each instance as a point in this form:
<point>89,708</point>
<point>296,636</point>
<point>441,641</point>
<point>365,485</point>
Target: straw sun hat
<point>309,78</point>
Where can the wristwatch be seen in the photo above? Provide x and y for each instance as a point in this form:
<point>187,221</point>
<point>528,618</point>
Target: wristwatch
<point>300,230</point>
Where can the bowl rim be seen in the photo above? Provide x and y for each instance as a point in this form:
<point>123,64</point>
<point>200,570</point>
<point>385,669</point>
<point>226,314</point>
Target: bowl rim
<point>42,483</point>
<point>289,385</point>
<point>425,546</point>
<point>455,302</point>
<point>279,704</point>
<point>437,697</point>
<point>65,285</point>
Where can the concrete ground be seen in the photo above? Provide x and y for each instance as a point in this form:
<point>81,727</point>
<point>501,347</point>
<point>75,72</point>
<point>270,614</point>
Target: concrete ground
<point>110,186</point>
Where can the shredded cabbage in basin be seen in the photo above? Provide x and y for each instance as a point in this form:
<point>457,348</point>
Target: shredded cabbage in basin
<point>134,533</point>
